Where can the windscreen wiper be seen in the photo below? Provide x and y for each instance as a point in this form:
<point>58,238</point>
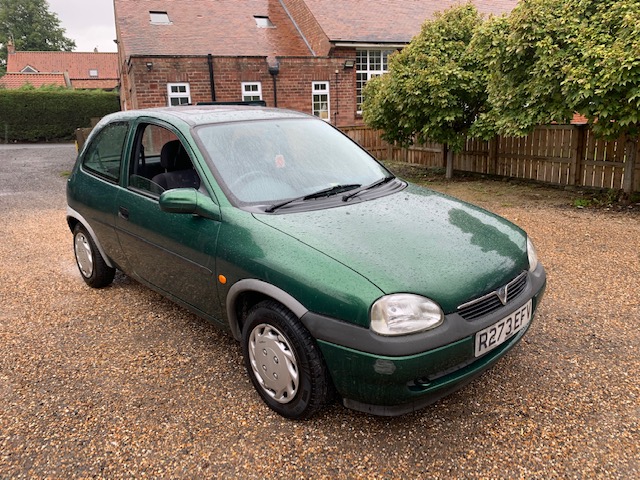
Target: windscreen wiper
<point>325,192</point>
<point>375,184</point>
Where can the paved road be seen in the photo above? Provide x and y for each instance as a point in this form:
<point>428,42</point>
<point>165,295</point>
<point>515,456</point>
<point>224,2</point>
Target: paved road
<point>121,383</point>
<point>34,173</point>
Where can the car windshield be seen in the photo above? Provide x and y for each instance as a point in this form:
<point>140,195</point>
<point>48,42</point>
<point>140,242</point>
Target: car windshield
<point>272,161</point>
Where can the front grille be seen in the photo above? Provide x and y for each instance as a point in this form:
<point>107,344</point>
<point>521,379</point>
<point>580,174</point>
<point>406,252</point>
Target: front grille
<point>491,302</point>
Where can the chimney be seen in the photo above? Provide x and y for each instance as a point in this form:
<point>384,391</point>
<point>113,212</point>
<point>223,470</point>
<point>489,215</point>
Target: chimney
<point>11,48</point>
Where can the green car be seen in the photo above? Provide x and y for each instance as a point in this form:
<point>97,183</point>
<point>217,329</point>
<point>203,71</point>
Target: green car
<point>334,275</point>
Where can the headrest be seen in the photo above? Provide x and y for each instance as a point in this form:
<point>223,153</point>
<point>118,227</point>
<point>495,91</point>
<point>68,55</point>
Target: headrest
<point>173,156</point>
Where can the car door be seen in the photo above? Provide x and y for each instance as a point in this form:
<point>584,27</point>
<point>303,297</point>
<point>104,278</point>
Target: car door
<point>173,252</point>
<point>94,185</point>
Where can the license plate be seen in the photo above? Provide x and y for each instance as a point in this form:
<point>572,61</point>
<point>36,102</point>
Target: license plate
<point>500,332</point>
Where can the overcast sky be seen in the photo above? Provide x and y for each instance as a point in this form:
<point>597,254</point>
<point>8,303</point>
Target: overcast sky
<point>87,22</point>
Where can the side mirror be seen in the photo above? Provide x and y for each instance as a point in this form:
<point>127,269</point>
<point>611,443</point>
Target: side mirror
<point>189,201</point>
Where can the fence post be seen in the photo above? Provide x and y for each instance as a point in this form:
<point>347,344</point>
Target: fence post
<point>630,147</point>
<point>492,160</point>
<point>444,155</point>
<point>578,155</point>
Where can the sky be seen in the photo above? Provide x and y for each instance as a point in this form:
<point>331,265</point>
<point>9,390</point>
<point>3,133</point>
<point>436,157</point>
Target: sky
<point>89,23</point>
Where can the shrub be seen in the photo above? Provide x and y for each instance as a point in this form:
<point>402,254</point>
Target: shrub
<point>51,113</point>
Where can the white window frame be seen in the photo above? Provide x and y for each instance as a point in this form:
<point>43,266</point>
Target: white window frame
<point>93,73</point>
<point>177,94</point>
<point>369,64</point>
<point>319,90</point>
<point>157,17</point>
<point>248,94</point>
<point>263,21</point>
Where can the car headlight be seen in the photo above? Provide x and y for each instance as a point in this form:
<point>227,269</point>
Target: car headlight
<point>404,313</point>
<point>533,256</point>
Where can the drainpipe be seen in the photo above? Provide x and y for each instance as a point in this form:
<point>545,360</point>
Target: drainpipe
<point>212,82</point>
<point>274,70</point>
<point>335,113</point>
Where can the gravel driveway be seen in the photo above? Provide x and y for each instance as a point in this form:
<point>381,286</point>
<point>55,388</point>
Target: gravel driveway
<point>122,383</point>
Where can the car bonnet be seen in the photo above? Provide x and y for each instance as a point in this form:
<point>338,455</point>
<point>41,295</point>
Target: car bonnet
<point>415,241</point>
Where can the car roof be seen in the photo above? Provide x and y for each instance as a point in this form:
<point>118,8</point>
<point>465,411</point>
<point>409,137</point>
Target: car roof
<point>194,115</point>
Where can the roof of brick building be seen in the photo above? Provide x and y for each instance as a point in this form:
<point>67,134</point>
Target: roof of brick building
<point>17,80</point>
<point>78,65</point>
<point>200,27</point>
<point>229,28</point>
<point>387,21</point>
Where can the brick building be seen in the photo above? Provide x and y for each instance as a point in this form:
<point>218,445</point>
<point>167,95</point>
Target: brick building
<point>309,55</point>
<point>84,70</point>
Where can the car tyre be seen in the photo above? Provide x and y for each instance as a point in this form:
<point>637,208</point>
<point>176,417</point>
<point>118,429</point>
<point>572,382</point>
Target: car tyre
<point>93,269</point>
<point>284,362</point>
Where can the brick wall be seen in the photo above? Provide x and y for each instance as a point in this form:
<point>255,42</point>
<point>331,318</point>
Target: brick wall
<point>146,87</point>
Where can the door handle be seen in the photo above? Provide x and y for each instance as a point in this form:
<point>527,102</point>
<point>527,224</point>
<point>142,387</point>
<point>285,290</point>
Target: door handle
<point>123,213</point>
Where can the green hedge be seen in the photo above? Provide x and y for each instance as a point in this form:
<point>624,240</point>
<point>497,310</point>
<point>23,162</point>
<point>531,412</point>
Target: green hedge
<point>50,114</point>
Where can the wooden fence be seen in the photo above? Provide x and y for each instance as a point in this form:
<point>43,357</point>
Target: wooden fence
<point>558,154</point>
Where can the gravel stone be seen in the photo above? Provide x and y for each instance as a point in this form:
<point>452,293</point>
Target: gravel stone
<point>120,382</point>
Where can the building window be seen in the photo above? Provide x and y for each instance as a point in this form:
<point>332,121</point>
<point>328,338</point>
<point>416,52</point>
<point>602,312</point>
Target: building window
<point>28,69</point>
<point>93,72</point>
<point>320,100</point>
<point>369,64</point>
<point>263,22</point>
<point>178,94</point>
<point>251,91</point>
<point>159,18</point>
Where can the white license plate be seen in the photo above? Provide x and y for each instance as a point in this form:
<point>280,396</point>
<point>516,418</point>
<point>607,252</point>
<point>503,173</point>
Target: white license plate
<point>500,332</point>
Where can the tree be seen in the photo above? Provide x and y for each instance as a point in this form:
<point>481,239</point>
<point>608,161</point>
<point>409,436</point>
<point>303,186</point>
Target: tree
<point>552,58</point>
<point>31,27</point>
<point>435,87</point>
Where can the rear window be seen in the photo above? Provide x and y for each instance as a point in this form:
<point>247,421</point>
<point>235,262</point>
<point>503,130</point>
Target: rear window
<point>104,155</point>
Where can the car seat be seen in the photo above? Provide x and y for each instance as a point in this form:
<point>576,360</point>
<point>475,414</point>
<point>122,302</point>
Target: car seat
<point>179,171</point>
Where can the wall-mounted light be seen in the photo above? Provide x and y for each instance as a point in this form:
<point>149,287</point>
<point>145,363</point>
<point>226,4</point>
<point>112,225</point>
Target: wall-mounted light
<point>149,66</point>
<point>349,63</point>
<point>274,70</point>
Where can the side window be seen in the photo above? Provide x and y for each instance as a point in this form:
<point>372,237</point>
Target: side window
<point>160,162</point>
<point>104,154</point>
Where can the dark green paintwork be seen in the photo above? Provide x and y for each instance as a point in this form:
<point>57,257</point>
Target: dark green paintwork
<point>412,242</point>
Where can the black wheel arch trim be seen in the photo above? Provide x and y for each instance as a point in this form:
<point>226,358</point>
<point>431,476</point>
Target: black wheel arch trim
<point>258,286</point>
<point>356,337</point>
<point>73,214</point>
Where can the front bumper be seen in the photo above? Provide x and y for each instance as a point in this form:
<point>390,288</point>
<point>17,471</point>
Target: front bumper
<point>396,375</point>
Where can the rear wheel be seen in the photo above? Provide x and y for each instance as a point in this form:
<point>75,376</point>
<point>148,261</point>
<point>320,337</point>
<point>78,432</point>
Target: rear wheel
<point>284,362</point>
<point>94,270</point>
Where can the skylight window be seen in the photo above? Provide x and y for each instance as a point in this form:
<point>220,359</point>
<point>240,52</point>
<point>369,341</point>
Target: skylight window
<point>93,72</point>
<point>263,22</point>
<point>159,18</point>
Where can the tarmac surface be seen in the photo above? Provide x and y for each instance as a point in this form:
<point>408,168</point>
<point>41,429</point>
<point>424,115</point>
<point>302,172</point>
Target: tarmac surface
<point>120,382</point>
